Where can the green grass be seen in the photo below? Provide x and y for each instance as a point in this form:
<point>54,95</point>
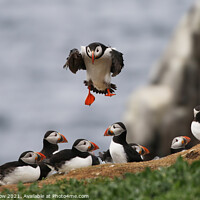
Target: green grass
<point>180,181</point>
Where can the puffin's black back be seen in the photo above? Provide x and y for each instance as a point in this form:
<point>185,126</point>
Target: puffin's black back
<point>58,159</point>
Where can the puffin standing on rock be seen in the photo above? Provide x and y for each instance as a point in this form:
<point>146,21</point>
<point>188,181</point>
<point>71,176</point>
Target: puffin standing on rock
<point>195,126</point>
<point>77,157</point>
<point>25,169</point>
<point>120,150</point>
<point>50,140</point>
<point>179,143</point>
<point>100,62</point>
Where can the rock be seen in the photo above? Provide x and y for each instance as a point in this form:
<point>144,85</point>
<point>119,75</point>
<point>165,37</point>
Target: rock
<point>163,109</point>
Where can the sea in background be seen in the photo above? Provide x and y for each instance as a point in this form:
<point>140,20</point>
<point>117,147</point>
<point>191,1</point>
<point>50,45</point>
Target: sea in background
<point>37,94</point>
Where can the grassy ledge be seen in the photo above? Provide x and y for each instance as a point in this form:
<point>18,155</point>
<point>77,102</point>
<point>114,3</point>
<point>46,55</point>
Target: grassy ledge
<point>179,181</point>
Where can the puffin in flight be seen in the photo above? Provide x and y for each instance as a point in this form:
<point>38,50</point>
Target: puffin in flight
<point>26,169</point>
<point>120,150</point>
<point>195,125</point>
<point>50,142</point>
<point>179,143</point>
<point>100,62</point>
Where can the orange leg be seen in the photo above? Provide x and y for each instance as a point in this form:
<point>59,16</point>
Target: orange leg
<point>90,98</point>
<point>109,94</point>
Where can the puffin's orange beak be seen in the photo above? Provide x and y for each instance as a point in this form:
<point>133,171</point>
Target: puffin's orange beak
<point>108,132</point>
<point>41,156</point>
<point>187,139</point>
<point>146,151</point>
<point>93,146</point>
<point>62,139</point>
<point>93,57</point>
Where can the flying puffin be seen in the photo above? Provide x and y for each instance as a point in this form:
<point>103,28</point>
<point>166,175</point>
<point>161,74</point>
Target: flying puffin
<point>74,158</point>
<point>24,170</point>
<point>120,150</point>
<point>50,140</point>
<point>100,62</point>
<point>106,157</point>
<point>179,143</point>
<point>195,126</point>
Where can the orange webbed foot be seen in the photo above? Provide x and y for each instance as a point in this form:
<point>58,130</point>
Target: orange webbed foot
<point>109,94</point>
<point>90,98</point>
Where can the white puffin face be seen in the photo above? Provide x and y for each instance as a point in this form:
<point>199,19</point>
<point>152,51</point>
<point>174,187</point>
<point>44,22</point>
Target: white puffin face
<point>177,143</point>
<point>53,138</point>
<point>137,148</point>
<point>30,158</point>
<point>97,52</point>
<point>83,146</point>
<point>116,129</point>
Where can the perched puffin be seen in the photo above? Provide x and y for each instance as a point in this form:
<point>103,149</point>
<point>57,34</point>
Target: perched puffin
<point>74,158</point>
<point>51,138</point>
<point>106,157</point>
<point>120,150</point>
<point>99,61</point>
<point>195,126</point>
<point>179,143</point>
<point>24,170</point>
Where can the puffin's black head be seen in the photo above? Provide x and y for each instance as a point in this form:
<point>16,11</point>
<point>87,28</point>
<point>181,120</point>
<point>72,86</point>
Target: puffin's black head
<point>140,149</point>
<point>31,157</point>
<point>84,145</point>
<point>54,137</point>
<point>95,50</point>
<point>115,129</point>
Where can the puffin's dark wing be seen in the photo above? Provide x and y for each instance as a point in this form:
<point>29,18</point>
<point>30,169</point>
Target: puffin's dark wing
<point>132,155</point>
<point>95,160</point>
<point>117,62</point>
<point>8,168</point>
<point>75,61</point>
<point>105,155</point>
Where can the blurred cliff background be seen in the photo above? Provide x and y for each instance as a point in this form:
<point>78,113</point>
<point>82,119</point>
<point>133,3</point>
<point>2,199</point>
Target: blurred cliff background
<point>37,94</point>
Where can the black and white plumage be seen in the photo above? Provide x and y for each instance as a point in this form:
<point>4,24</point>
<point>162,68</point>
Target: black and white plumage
<point>50,142</point>
<point>120,150</point>
<point>195,125</point>
<point>100,62</point>
<point>77,157</point>
<point>24,170</point>
<point>106,157</point>
<point>179,143</point>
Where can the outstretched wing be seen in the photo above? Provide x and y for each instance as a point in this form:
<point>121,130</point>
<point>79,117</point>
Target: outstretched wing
<point>117,62</point>
<point>75,61</point>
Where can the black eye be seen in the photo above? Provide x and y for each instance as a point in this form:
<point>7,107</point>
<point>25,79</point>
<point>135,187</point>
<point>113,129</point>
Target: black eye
<point>97,50</point>
<point>56,134</point>
<point>114,126</point>
<point>30,155</point>
<point>84,143</point>
<point>176,140</point>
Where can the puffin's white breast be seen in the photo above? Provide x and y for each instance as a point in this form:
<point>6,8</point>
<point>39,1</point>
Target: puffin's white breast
<point>195,128</point>
<point>24,174</point>
<point>117,153</point>
<point>75,163</point>
<point>99,72</point>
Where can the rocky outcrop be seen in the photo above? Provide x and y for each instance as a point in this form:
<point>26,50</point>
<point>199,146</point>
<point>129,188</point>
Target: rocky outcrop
<point>163,109</point>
